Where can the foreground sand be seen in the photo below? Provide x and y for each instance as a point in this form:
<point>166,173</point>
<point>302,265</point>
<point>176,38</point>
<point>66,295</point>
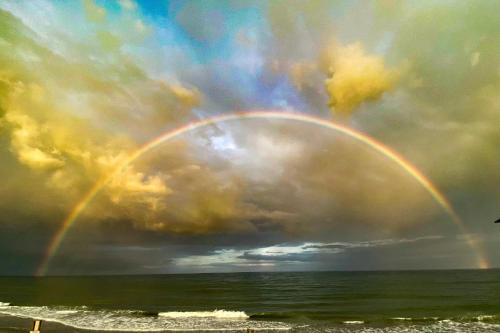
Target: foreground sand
<point>10,324</point>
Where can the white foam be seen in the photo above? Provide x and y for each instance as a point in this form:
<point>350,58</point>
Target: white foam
<point>220,314</point>
<point>3,304</point>
<point>415,319</point>
<point>66,311</point>
<point>353,322</point>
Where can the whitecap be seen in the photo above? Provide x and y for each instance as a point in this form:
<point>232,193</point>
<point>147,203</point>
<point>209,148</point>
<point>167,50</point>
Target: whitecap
<point>66,312</point>
<point>353,322</point>
<point>220,314</point>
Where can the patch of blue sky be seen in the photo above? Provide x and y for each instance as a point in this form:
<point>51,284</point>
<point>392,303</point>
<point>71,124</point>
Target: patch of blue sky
<point>154,8</point>
<point>166,33</point>
<point>283,95</point>
<point>238,57</point>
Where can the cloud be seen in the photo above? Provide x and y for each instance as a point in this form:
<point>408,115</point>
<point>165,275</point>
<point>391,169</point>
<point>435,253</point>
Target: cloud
<point>368,244</point>
<point>77,99</point>
<point>68,120</point>
<point>284,253</point>
<point>203,22</point>
<point>302,73</point>
<point>94,12</point>
<point>56,119</point>
<point>355,77</point>
<point>28,146</point>
<point>128,4</point>
<point>132,183</point>
<point>190,98</point>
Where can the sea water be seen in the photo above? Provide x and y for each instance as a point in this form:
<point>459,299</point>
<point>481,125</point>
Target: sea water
<point>409,301</point>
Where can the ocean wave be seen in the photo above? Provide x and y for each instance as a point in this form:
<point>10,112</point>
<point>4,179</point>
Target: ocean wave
<point>138,321</point>
<point>353,322</point>
<point>401,318</point>
<point>221,314</point>
<point>419,319</point>
<point>3,304</point>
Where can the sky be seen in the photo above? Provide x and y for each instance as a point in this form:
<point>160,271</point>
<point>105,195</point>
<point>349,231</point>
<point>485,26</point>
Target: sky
<point>85,84</point>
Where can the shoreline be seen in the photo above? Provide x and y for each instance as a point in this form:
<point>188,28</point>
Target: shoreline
<point>16,324</point>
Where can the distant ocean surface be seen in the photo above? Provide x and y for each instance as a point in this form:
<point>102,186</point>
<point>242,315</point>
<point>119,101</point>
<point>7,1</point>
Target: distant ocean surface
<point>410,301</point>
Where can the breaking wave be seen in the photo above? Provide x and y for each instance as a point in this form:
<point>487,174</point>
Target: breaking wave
<point>220,314</point>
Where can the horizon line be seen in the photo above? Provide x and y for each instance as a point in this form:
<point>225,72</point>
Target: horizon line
<point>256,272</point>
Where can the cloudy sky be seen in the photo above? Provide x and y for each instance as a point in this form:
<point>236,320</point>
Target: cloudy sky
<point>84,84</point>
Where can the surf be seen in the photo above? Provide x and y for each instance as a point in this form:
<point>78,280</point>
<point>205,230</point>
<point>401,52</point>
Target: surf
<point>138,321</point>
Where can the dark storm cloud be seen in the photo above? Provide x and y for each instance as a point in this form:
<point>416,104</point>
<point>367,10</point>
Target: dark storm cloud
<point>278,258</point>
<point>321,256</point>
<point>336,246</point>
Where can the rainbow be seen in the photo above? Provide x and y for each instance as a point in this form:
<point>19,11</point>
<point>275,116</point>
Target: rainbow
<point>70,219</point>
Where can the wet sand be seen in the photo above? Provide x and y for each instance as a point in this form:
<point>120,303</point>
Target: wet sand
<point>12,324</point>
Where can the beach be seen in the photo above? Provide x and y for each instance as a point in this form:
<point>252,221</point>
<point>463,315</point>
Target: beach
<point>411,301</point>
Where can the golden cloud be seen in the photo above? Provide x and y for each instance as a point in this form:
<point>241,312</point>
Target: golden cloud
<point>25,143</point>
<point>54,119</point>
<point>355,77</point>
<point>190,98</point>
<point>130,182</point>
<point>94,12</point>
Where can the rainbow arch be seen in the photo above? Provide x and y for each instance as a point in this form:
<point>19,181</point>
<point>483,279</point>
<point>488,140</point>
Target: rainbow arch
<point>56,241</point>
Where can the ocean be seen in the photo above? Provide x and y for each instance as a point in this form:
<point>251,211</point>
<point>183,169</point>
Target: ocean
<point>399,301</point>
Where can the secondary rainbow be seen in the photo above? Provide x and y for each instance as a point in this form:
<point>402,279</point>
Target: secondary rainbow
<point>70,219</point>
